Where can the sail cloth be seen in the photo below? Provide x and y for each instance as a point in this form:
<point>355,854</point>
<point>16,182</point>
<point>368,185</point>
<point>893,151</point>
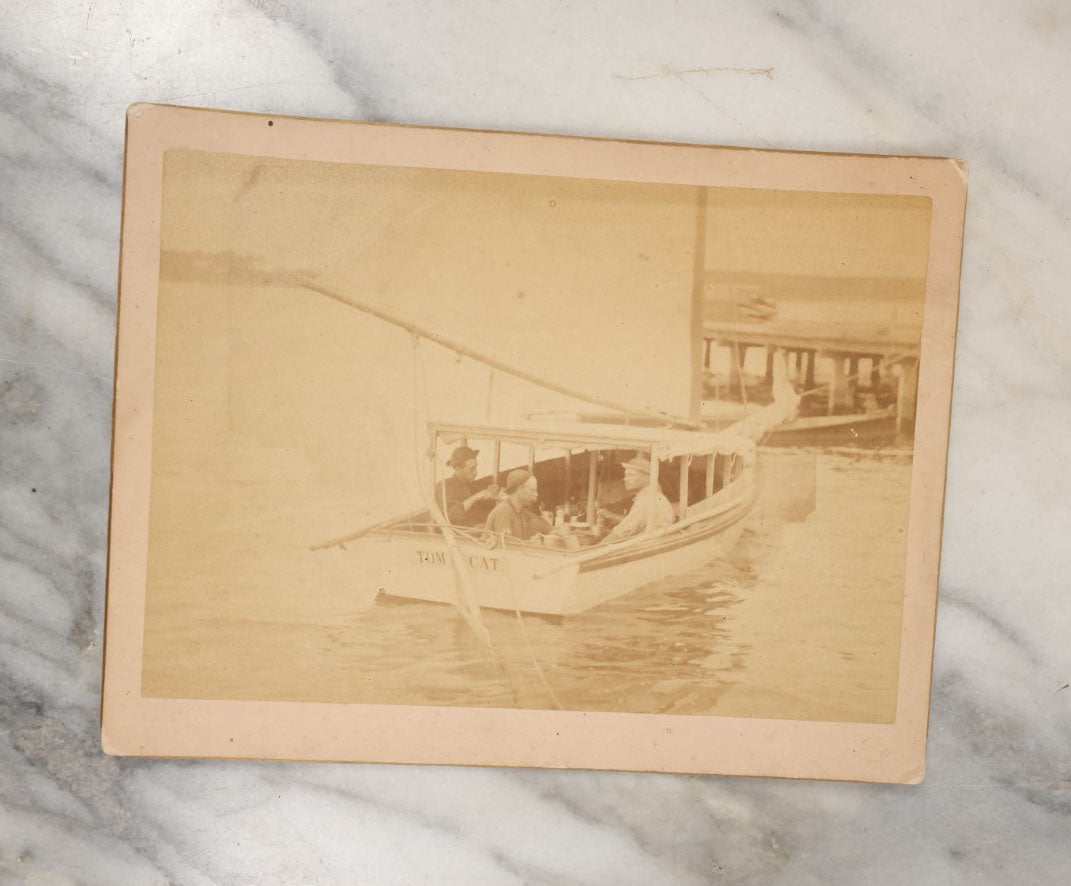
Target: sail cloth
<point>585,283</point>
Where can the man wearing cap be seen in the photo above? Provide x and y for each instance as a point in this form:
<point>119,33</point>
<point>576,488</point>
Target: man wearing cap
<point>462,503</point>
<point>514,515</point>
<point>650,509</point>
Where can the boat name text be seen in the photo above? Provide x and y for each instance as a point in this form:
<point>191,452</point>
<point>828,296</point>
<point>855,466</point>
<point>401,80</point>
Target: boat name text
<point>475,561</point>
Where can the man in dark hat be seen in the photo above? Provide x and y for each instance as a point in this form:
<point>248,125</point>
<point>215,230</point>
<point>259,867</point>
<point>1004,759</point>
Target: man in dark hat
<point>514,515</point>
<point>463,504</point>
<point>650,509</point>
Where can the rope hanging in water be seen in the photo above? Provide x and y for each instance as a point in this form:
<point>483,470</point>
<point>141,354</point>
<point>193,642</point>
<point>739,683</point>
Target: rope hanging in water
<point>466,594</point>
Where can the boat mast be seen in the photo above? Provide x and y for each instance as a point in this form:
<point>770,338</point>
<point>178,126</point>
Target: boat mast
<point>699,269</point>
<point>465,351</point>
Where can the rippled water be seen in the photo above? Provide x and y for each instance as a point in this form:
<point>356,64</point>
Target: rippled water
<point>660,648</point>
<point>801,621</point>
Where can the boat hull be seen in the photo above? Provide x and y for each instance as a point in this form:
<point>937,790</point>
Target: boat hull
<point>528,578</point>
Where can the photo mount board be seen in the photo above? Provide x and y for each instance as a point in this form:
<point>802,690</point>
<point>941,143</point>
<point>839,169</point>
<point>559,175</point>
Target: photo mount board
<point>138,725</point>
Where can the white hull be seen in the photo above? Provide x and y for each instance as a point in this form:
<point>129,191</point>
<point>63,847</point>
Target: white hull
<point>527,578</point>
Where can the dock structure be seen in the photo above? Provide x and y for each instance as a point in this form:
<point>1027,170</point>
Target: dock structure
<point>844,345</point>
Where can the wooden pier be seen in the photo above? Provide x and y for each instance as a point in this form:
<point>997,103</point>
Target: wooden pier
<point>845,346</point>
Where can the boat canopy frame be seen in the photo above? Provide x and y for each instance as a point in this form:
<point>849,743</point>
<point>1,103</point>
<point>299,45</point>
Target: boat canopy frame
<point>663,443</point>
<point>660,444</point>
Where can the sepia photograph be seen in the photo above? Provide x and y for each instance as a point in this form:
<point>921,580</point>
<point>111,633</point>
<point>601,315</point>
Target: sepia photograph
<point>438,437</point>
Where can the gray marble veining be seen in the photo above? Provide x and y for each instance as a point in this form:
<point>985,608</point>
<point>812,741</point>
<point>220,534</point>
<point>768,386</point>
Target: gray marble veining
<point>986,82</point>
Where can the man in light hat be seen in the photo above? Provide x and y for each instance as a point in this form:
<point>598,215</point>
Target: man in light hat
<point>514,515</point>
<point>463,504</point>
<point>650,509</point>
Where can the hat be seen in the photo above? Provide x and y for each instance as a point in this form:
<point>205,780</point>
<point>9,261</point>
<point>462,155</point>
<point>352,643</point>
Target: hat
<point>461,455</point>
<point>640,464</point>
<point>517,478</point>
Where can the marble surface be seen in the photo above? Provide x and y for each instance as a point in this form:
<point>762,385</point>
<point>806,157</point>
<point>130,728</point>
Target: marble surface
<point>984,81</point>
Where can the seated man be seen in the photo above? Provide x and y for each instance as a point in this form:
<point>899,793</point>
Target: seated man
<point>514,516</point>
<point>646,512</point>
<point>462,504</point>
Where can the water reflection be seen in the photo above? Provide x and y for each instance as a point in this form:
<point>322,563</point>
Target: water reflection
<point>666,647</point>
<point>820,595</point>
<point>802,620</point>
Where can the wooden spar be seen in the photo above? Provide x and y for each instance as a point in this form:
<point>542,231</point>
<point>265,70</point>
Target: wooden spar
<point>341,541</point>
<point>494,363</point>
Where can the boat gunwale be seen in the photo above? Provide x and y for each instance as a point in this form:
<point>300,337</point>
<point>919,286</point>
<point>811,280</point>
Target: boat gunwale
<point>671,541</point>
<point>591,558</point>
<point>667,443</point>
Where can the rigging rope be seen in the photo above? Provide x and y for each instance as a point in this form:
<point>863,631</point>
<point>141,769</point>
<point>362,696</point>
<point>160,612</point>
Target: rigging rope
<point>524,630</point>
<point>420,396</point>
<point>466,597</point>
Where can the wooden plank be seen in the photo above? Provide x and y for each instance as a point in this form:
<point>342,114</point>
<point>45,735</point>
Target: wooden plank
<point>863,339</point>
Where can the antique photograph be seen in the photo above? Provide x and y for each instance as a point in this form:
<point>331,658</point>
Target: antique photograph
<point>457,438</point>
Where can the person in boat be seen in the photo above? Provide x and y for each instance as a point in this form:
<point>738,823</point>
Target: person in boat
<point>514,515</point>
<point>462,503</point>
<point>645,513</point>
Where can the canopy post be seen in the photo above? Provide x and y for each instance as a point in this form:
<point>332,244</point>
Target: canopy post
<point>682,504</point>
<point>437,487</point>
<point>568,473</point>
<point>498,463</point>
<point>531,458</point>
<point>710,474</point>
<point>593,483</point>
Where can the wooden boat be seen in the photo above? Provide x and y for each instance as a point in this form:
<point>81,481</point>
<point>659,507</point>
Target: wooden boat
<point>721,414</point>
<point>814,429</point>
<point>847,427</point>
<point>711,479</point>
